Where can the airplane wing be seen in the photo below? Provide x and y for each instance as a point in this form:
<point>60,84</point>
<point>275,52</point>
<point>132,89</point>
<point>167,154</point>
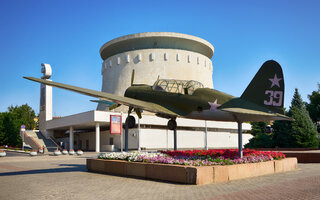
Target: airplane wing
<point>148,106</point>
<point>248,111</point>
<point>253,115</point>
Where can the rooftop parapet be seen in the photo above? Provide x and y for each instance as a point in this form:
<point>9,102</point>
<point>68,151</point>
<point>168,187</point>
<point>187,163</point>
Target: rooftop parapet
<point>156,40</point>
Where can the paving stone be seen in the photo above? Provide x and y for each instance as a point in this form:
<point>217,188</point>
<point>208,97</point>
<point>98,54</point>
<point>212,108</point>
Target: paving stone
<point>49,177</point>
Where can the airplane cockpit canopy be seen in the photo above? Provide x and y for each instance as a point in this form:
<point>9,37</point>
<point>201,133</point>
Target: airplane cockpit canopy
<point>176,86</point>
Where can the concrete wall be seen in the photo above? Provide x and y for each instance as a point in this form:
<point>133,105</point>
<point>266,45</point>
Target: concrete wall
<point>155,138</point>
<point>163,139</point>
<point>151,63</point>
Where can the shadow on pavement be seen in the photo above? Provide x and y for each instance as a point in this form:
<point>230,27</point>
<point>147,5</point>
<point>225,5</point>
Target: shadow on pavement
<point>70,168</point>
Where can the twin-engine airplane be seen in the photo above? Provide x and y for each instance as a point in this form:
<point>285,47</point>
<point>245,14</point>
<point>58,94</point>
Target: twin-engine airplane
<point>261,101</point>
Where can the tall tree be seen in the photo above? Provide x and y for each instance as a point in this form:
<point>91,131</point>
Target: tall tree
<point>11,121</point>
<point>303,130</point>
<point>3,138</point>
<point>314,106</point>
<point>11,130</point>
<point>24,115</point>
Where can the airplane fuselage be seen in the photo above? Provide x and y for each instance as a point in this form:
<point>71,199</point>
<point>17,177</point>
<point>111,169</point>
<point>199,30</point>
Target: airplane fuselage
<point>202,104</point>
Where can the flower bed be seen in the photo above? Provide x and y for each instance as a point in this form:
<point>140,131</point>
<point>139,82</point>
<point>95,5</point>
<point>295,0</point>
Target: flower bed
<point>192,167</point>
<point>196,157</point>
<point>189,174</point>
<point>226,153</point>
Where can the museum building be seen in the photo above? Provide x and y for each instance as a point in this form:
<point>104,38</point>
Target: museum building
<point>151,55</point>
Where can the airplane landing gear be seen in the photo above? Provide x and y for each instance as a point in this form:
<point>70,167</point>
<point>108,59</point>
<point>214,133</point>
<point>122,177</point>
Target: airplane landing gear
<point>172,125</point>
<point>131,121</point>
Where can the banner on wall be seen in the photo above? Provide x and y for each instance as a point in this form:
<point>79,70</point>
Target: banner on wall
<point>115,124</point>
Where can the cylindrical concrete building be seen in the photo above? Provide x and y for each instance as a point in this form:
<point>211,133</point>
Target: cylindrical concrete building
<point>168,55</point>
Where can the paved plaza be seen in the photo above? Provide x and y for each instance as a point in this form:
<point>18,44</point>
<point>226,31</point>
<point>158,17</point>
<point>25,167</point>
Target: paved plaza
<point>65,177</point>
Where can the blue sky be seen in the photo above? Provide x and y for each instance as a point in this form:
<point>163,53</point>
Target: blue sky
<point>69,34</point>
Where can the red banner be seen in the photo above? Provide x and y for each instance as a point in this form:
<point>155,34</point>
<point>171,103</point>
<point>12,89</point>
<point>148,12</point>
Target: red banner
<point>115,124</point>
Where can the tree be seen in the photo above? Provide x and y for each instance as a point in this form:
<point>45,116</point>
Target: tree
<point>261,139</point>
<point>258,127</point>
<point>24,115</point>
<point>300,132</point>
<point>11,129</point>
<point>303,129</point>
<point>3,139</point>
<point>282,134</point>
<point>314,106</point>
<point>11,121</point>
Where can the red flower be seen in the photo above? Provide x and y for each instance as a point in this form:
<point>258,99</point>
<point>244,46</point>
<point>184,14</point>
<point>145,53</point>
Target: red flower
<point>226,153</point>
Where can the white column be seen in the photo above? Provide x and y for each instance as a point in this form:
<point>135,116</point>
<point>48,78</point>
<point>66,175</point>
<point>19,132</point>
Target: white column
<point>45,101</point>
<point>97,137</point>
<point>71,138</point>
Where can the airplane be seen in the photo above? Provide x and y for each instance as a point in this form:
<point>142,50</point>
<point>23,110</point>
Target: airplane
<point>262,100</point>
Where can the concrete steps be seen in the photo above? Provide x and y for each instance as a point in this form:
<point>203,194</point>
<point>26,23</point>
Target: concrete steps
<point>36,140</point>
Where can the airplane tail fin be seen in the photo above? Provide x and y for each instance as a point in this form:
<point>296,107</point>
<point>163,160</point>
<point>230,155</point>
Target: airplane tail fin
<point>267,87</point>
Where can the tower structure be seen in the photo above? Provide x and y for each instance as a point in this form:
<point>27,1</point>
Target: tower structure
<point>45,101</point>
<point>152,54</point>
